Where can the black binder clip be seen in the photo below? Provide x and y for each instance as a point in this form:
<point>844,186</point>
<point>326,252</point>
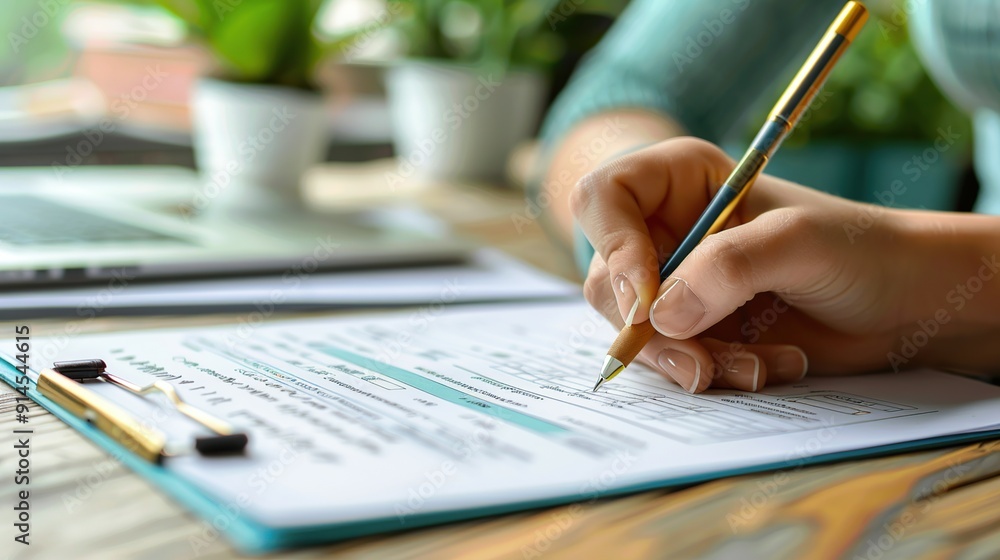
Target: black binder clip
<point>62,384</point>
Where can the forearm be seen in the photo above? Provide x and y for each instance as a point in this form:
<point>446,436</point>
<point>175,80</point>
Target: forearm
<point>592,143</point>
<point>646,68</point>
<point>953,290</point>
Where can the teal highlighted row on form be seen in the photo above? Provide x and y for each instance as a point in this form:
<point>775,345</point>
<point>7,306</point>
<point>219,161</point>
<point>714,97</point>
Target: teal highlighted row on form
<point>444,392</point>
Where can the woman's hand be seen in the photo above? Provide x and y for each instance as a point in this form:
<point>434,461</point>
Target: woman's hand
<point>798,281</point>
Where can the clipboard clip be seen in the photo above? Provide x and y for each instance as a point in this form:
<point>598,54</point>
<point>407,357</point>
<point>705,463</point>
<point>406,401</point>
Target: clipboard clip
<point>63,384</point>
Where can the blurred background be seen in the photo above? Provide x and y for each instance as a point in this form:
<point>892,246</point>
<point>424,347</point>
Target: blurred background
<point>151,82</point>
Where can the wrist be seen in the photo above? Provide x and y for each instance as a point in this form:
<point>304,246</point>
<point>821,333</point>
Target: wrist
<point>949,269</point>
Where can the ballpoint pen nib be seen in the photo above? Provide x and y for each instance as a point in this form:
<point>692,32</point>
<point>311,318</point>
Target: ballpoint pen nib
<point>612,367</point>
<point>600,381</point>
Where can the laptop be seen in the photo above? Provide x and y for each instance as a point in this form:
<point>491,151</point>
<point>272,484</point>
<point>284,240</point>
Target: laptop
<point>52,238</point>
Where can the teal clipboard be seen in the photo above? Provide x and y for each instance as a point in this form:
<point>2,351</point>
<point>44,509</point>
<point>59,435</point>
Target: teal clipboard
<point>251,537</point>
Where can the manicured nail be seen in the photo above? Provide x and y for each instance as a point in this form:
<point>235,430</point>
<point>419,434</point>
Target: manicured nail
<point>683,368</point>
<point>744,372</point>
<point>678,310</point>
<point>790,364</point>
<point>625,294</point>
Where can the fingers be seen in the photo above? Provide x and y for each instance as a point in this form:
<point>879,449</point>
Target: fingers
<point>696,365</point>
<point>780,251</point>
<point>685,362</point>
<point>672,181</point>
<point>749,367</point>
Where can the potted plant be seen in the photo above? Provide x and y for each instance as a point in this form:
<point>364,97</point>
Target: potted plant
<point>473,83</point>
<point>258,121</point>
<point>880,131</point>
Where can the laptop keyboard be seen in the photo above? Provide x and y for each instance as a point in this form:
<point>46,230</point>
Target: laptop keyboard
<point>29,220</point>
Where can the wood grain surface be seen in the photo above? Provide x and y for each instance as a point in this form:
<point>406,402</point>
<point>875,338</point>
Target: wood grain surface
<point>935,504</point>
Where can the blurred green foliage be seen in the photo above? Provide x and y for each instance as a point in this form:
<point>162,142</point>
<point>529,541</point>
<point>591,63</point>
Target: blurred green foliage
<point>258,41</point>
<point>879,91</point>
<point>494,34</point>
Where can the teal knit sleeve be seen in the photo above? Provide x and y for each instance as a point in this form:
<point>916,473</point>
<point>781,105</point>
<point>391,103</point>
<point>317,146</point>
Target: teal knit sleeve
<point>706,63</point>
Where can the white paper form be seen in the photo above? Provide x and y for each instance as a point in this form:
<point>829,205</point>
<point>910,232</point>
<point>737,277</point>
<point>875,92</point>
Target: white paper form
<point>474,407</point>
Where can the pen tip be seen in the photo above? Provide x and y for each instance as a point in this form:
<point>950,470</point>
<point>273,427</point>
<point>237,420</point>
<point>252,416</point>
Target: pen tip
<point>600,381</point>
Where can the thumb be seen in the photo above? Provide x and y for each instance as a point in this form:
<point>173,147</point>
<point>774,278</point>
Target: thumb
<point>779,251</point>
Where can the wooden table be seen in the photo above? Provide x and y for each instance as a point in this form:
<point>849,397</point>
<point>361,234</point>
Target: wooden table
<point>938,504</point>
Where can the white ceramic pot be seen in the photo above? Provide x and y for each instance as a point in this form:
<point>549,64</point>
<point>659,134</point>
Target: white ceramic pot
<point>253,143</point>
<point>451,122</point>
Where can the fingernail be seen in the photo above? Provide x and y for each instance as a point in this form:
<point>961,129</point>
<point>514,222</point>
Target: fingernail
<point>789,364</point>
<point>625,294</point>
<point>683,368</point>
<point>744,372</point>
<point>678,310</point>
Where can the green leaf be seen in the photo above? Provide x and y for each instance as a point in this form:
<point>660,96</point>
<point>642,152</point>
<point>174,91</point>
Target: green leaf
<point>251,36</point>
<point>196,13</point>
<point>301,49</point>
